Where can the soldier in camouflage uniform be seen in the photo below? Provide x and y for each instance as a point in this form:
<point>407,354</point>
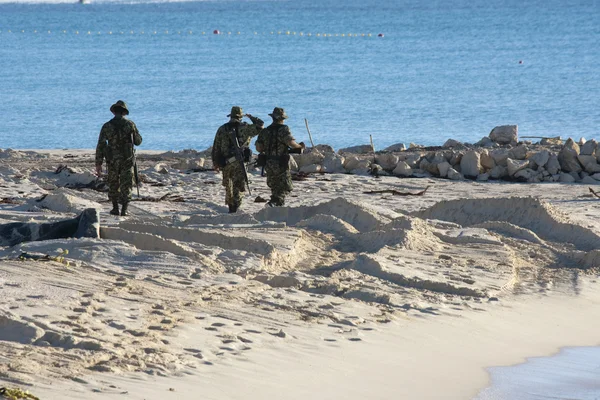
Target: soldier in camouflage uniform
<point>275,142</point>
<point>115,145</point>
<point>223,153</point>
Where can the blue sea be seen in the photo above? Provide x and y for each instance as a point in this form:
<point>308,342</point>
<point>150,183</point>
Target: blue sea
<point>440,69</point>
<point>572,374</point>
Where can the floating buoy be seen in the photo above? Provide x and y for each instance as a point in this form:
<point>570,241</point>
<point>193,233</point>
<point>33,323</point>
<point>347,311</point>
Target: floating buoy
<point>380,35</point>
<point>216,32</point>
<point>520,61</point>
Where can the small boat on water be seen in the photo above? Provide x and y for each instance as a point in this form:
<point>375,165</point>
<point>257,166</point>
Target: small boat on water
<point>84,1</point>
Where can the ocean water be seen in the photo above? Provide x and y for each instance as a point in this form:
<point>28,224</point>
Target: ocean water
<point>443,69</point>
<point>573,374</point>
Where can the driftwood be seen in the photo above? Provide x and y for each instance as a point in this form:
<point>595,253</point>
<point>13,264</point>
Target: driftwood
<point>594,193</point>
<point>175,198</point>
<point>397,193</point>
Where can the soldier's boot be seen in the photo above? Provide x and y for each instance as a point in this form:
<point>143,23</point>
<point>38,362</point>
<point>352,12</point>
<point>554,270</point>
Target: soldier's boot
<point>115,210</point>
<point>124,209</point>
<point>233,208</point>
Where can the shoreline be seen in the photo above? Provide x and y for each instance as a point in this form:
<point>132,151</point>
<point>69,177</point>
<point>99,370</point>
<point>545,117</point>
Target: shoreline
<point>341,293</point>
<point>458,368</point>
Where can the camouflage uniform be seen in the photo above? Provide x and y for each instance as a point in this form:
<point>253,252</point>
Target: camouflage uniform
<point>275,141</point>
<point>223,154</point>
<point>114,145</point>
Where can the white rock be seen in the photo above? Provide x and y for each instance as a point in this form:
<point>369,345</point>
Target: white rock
<point>362,149</point>
<point>566,178</point>
<point>333,163</point>
<point>452,143</point>
<point>311,169</point>
<point>309,158</point>
<point>361,171</point>
<point>487,161</point>
<point>470,165</point>
<point>518,153</point>
<point>396,147</point>
<point>351,163</point>
<point>498,172</point>
<point>415,146</point>
<point>485,142</point>
<point>568,157</point>
<point>191,163</point>
<point>454,174</point>
<point>387,161</point>
<point>582,141</point>
<point>590,180</point>
<point>362,164</point>
<point>443,168</point>
<point>500,156</point>
<point>515,165</point>
<point>324,148</point>
<point>553,166</point>
<point>524,174</point>
<point>540,158</point>
<point>427,166</point>
<point>402,169</point>
<point>412,159</point>
<point>505,134</point>
<point>589,148</point>
<point>161,168</point>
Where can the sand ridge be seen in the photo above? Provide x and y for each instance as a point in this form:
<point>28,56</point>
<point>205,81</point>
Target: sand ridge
<point>181,286</point>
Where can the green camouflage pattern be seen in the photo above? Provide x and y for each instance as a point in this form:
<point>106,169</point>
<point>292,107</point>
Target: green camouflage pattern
<point>233,176</point>
<point>275,141</point>
<point>114,146</point>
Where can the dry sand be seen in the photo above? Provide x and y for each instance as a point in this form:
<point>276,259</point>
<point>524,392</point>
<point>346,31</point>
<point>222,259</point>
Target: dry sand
<point>341,294</point>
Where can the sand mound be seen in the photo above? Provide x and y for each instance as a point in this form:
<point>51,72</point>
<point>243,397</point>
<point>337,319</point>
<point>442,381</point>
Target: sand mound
<point>13,329</point>
<point>372,265</point>
<point>65,201</point>
<point>360,216</point>
<point>221,219</point>
<point>525,212</point>
<point>406,232</point>
<point>328,223</point>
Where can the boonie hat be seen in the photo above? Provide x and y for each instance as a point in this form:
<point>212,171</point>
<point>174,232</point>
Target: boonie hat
<point>278,113</point>
<point>120,104</point>
<point>236,112</point>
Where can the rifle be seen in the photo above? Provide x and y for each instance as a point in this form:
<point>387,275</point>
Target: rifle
<point>239,156</point>
<point>135,167</point>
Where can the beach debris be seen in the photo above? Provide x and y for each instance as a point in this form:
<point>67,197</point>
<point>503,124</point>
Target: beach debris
<point>259,199</point>
<point>397,193</point>
<point>175,198</point>
<point>592,191</point>
<point>16,394</point>
<point>86,224</point>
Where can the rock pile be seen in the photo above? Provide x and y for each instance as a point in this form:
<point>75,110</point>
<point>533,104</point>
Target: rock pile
<point>499,156</point>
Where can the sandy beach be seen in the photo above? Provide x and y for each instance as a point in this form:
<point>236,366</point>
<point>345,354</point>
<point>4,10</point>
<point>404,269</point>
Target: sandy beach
<point>340,294</point>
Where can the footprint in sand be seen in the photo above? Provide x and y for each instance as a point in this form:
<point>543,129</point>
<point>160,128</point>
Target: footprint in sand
<point>354,339</point>
<point>252,331</point>
<point>330,340</point>
<point>218,324</point>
